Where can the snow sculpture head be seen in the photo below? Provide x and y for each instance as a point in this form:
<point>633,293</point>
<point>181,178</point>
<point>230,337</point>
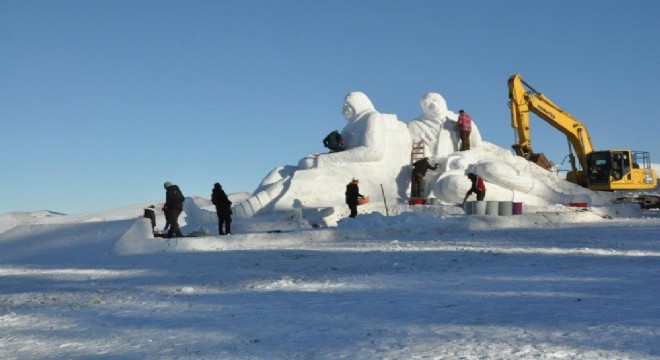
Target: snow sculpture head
<point>356,104</point>
<point>434,105</point>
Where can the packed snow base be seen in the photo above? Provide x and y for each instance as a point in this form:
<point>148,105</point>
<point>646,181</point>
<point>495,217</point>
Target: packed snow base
<point>556,284</point>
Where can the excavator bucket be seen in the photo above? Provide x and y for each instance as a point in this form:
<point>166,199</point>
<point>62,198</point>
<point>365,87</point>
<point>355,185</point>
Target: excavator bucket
<point>542,161</point>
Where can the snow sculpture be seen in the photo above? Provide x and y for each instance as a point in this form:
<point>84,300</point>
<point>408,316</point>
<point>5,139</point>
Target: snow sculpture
<point>378,152</point>
<point>508,177</point>
<point>437,127</point>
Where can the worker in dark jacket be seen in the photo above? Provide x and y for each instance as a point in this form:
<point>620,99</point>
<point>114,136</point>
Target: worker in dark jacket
<point>352,196</point>
<point>173,208</point>
<point>222,209</point>
<point>419,171</point>
<point>478,187</point>
<point>334,141</point>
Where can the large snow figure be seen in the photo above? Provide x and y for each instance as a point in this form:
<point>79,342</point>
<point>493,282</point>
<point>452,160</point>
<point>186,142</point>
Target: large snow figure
<point>437,127</point>
<point>378,152</point>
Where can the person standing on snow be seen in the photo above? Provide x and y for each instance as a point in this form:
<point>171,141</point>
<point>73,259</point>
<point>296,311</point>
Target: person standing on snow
<point>464,128</point>
<point>478,187</point>
<point>419,171</point>
<point>222,209</point>
<point>352,196</point>
<point>173,208</point>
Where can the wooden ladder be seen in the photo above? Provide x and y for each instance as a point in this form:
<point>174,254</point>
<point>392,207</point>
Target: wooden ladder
<point>418,150</point>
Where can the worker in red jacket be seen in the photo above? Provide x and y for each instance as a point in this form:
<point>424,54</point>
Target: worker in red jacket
<point>464,129</point>
<point>478,187</point>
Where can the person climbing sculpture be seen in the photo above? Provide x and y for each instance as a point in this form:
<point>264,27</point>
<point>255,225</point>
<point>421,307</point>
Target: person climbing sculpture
<point>464,127</point>
<point>419,171</point>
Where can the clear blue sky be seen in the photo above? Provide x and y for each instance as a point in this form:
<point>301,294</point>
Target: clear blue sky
<point>103,101</point>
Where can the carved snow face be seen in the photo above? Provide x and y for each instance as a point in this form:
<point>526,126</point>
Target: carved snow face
<point>356,104</point>
<point>434,105</point>
<point>348,111</point>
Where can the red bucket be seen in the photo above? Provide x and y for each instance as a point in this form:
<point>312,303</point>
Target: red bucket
<point>417,202</point>
<point>578,204</point>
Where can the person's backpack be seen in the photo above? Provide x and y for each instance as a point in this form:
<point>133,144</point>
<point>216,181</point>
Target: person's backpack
<point>334,141</point>
<point>338,138</point>
<point>177,194</point>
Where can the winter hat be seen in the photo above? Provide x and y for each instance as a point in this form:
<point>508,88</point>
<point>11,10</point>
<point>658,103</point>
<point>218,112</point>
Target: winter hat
<point>167,184</point>
<point>217,186</point>
<point>461,111</point>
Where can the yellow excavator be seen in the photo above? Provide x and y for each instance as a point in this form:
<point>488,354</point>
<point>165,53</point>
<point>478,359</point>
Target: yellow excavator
<point>604,170</point>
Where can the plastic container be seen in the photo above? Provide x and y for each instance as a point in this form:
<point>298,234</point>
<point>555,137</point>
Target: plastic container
<point>578,204</point>
<point>479,208</point>
<point>468,207</point>
<point>505,208</point>
<point>492,207</point>
<point>417,201</point>
<point>363,201</point>
<point>517,208</point>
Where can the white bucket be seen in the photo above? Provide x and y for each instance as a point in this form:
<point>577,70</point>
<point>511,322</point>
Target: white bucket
<point>479,208</point>
<point>506,208</point>
<point>468,207</point>
<point>492,207</point>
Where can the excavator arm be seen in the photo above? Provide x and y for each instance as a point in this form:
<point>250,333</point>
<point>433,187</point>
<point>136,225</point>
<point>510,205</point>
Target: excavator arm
<point>524,99</point>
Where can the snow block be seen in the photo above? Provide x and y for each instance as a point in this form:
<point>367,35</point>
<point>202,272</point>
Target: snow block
<point>139,239</point>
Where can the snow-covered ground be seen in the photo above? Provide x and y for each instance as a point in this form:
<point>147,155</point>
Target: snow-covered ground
<point>426,282</point>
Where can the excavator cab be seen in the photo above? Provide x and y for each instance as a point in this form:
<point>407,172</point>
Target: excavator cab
<point>620,170</point>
